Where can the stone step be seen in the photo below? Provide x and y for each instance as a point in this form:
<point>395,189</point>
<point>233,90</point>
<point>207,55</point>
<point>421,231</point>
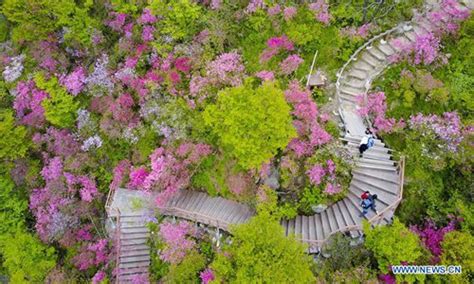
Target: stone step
<point>383,197</point>
<point>377,184</point>
<point>305,227</point>
<point>371,60</point>
<point>348,98</point>
<point>354,83</point>
<point>410,35</point>
<point>345,213</point>
<point>354,210</point>
<point>376,148</point>
<point>371,155</point>
<point>351,91</point>
<point>134,258</point>
<point>385,47</point>
<point>420,30</point>
<point>134,229</point>
<point>133,242</point>
<point>135,252</point>
<point>357,139</point>
<point>319,227</point>
<point>132,236</point>
<point>298,226</point>
<point>382,175</point>
<point>388,163</point>
<point>337,217</point>
<point>124,272</point>
<point>355,200</point>
<point>132,248</point>
<point>358,74</point>
<point>362,165</point>
<point>139,264</point>
<point>376,53</point>
<point>131,277</point>
<point>325,221</point>
<point>362,65</point>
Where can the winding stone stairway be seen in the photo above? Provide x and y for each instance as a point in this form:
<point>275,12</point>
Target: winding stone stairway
<point>376,171</point>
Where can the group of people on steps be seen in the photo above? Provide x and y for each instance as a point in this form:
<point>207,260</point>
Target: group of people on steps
<point>367,199</point>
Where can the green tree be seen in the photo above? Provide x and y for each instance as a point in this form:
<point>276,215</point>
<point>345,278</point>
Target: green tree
<point>261,253</point>
<point>13,139</point>
<point>60,108</point>
<point>25,258</point>
<point>458,249</point>
<point>187,271</point>
<point>180,17</point>
<point>12,206</point>
<point>36,19</point>
<point>251,124</point>
<point>394,245</point>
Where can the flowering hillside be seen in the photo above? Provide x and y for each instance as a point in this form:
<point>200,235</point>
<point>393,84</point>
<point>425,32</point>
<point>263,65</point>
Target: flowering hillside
<point>212,96</point>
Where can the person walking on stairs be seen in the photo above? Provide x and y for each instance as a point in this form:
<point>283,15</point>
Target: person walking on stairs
<point>368,202</point>
<point>366,142</point>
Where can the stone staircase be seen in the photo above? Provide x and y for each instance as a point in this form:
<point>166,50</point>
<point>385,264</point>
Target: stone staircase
<point>133,252</point>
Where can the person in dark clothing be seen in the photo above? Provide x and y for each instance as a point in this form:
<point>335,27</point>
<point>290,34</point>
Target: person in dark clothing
<point>366,142</point>
<point>368,203</point>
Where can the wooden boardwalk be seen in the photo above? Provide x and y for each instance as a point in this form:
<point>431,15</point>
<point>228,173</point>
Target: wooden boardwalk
<point>376,172</point>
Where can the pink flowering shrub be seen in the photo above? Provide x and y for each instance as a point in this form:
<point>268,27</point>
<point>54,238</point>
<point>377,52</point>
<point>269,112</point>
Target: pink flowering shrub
<point>290,64</point>
<point>147,17</point>
<point>147,33</point>
<point>265,75</point>
<point>119,173</point>
<point>325,175</point>
<point>59,142</point>
<point>27,104</point>
<point>361,32</point>
<point>274,46</point>
<point>425,50</point>
<point>274,10</point>
<point>375,107</point>
<point>171,169</point>
<point>206,276</point>
<point>310,132</point>
<point>447,129</point>
<point>254,5</point>
<point>321,10</point>
<point>289,13</point>
<point>226,69</point>
<point>137,177</point>
<point>58,205</point>
<point>432,237</point>
<point>178,240</point>
<point>75,81</point>
<point>92,255</point>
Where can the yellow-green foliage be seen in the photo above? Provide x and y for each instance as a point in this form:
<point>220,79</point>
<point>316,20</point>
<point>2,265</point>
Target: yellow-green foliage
<point>187,271</point>
<point>36,19</point>
<point>251,123</point>
<point>180,17</point>
<point>25,258</point>
<point>261,253</point>
<point>458,249</point>
<point>393,245</point>
<point>60,108</point>
<point>13,138</point>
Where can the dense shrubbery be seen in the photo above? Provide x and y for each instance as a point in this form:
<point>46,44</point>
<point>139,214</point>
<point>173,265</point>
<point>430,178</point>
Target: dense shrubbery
<point>163,95</point>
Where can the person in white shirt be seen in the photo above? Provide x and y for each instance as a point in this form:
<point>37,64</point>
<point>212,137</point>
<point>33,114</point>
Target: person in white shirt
<point>366,142</point>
